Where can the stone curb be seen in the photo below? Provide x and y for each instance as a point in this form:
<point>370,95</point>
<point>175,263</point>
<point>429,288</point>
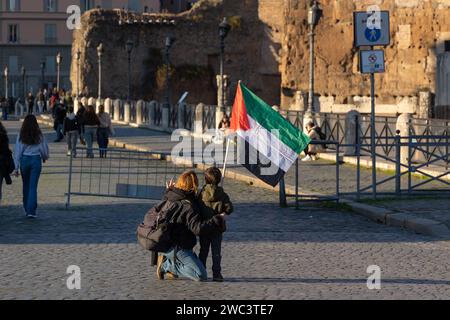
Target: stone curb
<point>400,219</point>
<point>377,214</point>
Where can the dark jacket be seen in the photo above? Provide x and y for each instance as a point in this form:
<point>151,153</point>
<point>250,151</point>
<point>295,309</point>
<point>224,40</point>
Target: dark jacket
<point>90,119</point>
<point>188,219</point>
<point>215,198</point>
<point>60,114</point>
<point>71,123</point>
<point>6,160</point>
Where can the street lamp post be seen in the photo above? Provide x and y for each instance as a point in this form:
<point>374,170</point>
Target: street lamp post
<point>43,74</point>
<point>100,51</point>
<point>6,105</point>
<point>168,44</point>
<point>23,72</point>
<point>129,47</point>
<point>224,28</point>
<point>78,56</point>
<point>58,65</point>
<point>314,15</point>
<point>6,73</point>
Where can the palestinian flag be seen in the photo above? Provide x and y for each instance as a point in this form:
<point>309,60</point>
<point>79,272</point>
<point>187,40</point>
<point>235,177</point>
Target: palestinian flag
<point>270,144</point>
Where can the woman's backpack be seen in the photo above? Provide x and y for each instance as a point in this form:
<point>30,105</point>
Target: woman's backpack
<point>155,233</point>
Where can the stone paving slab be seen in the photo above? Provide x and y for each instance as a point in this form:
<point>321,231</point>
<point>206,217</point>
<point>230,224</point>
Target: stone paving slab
<point>268,253</point>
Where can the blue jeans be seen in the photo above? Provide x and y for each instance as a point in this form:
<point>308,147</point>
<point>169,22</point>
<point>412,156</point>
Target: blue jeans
<point>89,136</point>
<point>59,131</point>
<point>186,264</point>
<point>30,167</point>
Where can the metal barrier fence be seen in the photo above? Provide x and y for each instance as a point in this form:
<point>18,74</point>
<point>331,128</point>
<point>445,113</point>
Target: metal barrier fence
<point>336,129</point>
<point>405,176</point>
<point>122,174</point>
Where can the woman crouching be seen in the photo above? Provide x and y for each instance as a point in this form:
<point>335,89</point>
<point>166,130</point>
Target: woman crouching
<point>181,261</point>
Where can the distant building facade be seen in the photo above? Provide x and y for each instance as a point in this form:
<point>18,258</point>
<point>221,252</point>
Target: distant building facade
<point>32,32</point>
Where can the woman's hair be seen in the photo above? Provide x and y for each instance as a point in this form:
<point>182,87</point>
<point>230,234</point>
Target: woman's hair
<point>30,133</point>
<point>310,124</point>
<point>101,108</point>
<point>213,176</point>
<point>4,140</point>
<point>89,114</point>
<point>188,182</point>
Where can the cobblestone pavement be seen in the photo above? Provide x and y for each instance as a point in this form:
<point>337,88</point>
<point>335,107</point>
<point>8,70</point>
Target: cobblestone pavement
<point>268,252</point>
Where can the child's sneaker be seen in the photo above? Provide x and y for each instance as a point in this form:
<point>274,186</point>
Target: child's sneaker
<point>218,278</point>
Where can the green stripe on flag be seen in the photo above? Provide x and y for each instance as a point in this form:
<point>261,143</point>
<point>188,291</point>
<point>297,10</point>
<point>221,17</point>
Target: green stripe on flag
<point>270,119</point>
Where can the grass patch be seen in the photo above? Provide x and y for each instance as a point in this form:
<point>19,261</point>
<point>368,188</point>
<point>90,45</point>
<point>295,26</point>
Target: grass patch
<point>335,206</point>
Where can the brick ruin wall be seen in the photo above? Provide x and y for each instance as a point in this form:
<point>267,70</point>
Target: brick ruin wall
<point>252,51</point>
<point>418,31</point>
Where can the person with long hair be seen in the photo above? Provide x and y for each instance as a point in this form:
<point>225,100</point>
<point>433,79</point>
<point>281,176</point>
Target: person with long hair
<point>90,122</point>
<point>104,131</point>
<point>30,151</point>
<point>6,159</point>
<point>186,216</point>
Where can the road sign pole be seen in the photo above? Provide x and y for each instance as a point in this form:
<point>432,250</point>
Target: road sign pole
<point>372,135</point>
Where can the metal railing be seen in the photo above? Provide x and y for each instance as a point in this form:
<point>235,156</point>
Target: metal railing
<point>209,117</point>
<point>403,175</point>
<point>121,174</point>
<point>335,128</point>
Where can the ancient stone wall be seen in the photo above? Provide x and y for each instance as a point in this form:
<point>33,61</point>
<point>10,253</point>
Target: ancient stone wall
<point>252,50</point>
<point>418,31</point>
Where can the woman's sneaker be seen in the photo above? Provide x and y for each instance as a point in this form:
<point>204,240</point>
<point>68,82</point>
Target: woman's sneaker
<point>307,158</point>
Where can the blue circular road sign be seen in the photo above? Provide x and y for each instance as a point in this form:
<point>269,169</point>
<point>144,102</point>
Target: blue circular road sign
<point>373,35</point>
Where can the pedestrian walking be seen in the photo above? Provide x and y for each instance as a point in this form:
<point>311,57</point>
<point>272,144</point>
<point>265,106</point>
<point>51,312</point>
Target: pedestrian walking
<point>30,151</point>
<point>91,123</point>
<point>72,130</point>
<point>104,131</point>
<point>40,101</point>
<point>4,107</point>
<point>80,117</point>
<point>6,160</point>
<point>58,124</point>
<point>30,103</point>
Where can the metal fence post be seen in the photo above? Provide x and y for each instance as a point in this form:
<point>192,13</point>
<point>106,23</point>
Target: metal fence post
<point>358,159</point>
<point>397,164</point>
<point>69,189</point>
<point>296,183</point>
<point>409,164</point>
<point>283,201</point>
<point>337,172</point>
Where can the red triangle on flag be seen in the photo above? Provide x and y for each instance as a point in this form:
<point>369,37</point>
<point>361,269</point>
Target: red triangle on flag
<point>239,117</point>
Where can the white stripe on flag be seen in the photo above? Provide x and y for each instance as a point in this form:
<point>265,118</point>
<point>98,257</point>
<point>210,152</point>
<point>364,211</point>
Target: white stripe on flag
<point>269,145</point>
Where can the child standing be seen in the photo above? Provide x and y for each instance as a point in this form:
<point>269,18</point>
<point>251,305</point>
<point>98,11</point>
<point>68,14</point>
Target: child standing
<point>72,130</point>
<point>214,197</point>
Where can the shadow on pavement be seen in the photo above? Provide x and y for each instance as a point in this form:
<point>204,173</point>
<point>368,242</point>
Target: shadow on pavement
<point>116,223</point>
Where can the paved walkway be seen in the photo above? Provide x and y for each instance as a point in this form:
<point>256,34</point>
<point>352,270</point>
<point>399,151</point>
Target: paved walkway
<point>269,253</point>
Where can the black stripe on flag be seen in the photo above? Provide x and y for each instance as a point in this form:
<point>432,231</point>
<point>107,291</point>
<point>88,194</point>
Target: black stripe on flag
<point>256,162</point>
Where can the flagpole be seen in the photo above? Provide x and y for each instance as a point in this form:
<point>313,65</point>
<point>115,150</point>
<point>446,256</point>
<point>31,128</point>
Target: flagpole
<point>225,161</point>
